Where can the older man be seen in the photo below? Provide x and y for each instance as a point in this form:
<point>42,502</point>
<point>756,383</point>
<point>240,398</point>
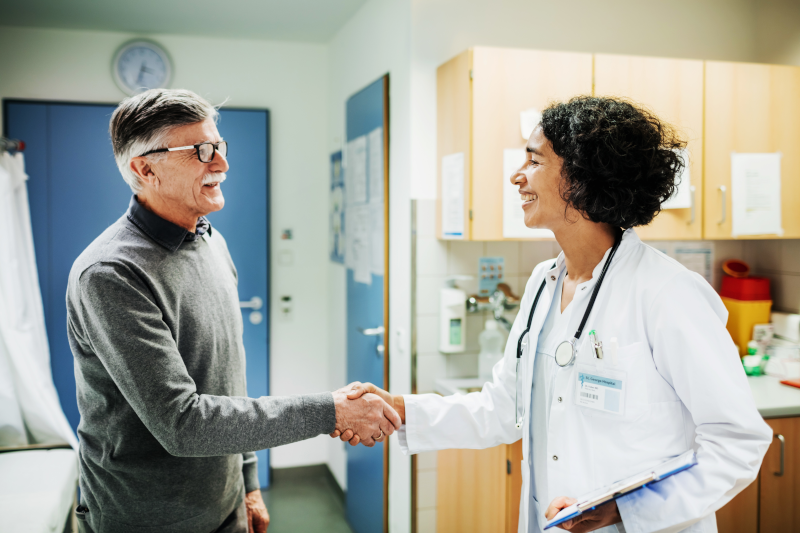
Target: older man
<point>167,432</point>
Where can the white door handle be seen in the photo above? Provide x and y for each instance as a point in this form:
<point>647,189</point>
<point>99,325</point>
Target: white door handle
<point>374,332</point>
<point>254,305</point>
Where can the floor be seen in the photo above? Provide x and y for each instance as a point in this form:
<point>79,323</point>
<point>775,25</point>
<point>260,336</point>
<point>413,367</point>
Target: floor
<point>305,499</point>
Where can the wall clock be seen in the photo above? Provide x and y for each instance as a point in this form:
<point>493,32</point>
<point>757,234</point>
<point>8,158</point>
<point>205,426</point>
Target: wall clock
<point>140,65</point>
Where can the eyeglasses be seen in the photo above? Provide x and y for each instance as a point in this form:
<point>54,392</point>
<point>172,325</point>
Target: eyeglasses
<point>205,151</point>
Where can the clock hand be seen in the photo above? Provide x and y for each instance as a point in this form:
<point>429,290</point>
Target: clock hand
<point>141,72</point>
<point>148,70</point>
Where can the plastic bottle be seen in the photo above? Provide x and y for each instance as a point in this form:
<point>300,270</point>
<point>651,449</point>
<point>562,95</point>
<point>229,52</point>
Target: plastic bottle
<point>491,341</point>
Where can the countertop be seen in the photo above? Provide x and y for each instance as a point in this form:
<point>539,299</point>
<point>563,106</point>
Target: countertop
<point>773,400</point>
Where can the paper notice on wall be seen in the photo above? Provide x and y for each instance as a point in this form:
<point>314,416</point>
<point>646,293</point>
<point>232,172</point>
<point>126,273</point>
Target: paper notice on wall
<point>697,260</point>
<point>756,194</point>
<point>513,215</point>
<point>359,243</point>
<point>453,196</point>
<point>376,238</point>
<point>356,171</point>
<point>682,198</point>
<point>375,147</point>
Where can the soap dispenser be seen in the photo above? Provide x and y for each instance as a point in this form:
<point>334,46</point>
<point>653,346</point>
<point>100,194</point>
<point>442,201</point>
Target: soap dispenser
<point>452,317</point>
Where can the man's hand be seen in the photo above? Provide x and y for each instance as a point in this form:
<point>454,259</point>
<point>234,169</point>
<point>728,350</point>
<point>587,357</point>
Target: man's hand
<point>368,416</point>
<point>358,389</point>
<point>605,515</point>
<point>257,514</point>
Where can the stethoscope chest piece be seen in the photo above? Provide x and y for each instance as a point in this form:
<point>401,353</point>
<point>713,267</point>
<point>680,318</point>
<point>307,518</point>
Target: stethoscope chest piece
<point>565,353</point>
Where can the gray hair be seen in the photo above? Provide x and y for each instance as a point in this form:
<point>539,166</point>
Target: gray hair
<point>142,123</point>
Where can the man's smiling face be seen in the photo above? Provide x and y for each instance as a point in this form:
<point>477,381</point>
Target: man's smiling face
<point>187,187</point>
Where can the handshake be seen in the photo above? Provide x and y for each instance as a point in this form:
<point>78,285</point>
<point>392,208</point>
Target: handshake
<point>366,413</point>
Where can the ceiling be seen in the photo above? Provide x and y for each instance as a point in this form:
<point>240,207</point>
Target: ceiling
<point>282,20</point>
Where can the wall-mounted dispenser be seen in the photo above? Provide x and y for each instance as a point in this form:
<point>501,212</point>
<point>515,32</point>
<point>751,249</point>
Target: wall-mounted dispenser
<point>453,317</point>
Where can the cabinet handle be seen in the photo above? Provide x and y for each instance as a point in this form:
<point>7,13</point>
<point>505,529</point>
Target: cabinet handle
<point>723,190</point>
<point>691,219</point>
<point>783,453</point>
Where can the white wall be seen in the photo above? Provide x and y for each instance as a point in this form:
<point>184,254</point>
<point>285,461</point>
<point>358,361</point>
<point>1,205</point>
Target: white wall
<point>287,78</point>
<point>703,29</point>
<point>374,42</point>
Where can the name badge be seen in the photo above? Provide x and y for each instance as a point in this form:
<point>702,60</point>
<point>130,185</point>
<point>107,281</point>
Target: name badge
<point>600,389</point>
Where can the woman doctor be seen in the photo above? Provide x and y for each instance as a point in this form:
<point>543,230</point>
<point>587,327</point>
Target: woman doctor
<point>669,380</point>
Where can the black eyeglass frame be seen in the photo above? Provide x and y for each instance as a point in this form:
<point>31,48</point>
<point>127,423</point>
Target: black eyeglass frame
<point>196,148</point>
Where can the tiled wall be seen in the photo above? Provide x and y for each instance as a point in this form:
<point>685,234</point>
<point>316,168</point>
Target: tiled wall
<point>436,260</point>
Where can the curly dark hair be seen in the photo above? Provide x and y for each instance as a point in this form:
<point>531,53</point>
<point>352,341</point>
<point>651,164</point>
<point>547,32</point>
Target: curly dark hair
<point>620,160</point>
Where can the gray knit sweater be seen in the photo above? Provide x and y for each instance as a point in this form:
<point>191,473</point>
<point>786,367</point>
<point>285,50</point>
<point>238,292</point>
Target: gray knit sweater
<point>167,432</point>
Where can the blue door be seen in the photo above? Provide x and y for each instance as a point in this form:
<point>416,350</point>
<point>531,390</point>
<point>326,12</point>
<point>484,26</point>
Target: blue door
<point>366,189</point>
<point>76,191</point>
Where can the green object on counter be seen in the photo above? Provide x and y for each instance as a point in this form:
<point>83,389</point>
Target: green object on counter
<point>752,365</point>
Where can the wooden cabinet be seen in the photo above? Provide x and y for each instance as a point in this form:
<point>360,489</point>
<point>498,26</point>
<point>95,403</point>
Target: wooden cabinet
<point>673,90</point>
<point>779,501</point>
<point>719,107</point>
<point>750,108</point>
<point>479,490</point>
<point>772,502</point>
<point>481,93</point>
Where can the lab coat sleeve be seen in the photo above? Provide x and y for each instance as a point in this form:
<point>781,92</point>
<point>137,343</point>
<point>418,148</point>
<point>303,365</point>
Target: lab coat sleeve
<point>694,353</point>
<point>478,420</point>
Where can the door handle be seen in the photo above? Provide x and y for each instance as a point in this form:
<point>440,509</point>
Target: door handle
<point>723,190</point>
<point>691,219</point>
<point>783,453</point>
<point>374,332</point>
<point>254,304</point>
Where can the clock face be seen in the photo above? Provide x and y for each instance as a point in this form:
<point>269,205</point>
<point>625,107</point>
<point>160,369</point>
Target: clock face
<point>141,65</point>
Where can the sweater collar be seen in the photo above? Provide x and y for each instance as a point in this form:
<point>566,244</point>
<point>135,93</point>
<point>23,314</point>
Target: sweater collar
<point>162,231</point>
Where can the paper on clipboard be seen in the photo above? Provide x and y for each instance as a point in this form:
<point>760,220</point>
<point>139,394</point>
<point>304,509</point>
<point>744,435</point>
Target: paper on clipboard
<point>628,485</point>
<point>756,194</point>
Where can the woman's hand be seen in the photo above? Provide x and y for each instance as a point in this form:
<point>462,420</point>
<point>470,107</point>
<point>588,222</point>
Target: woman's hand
<point>358,389</point>
<point>605,515</point>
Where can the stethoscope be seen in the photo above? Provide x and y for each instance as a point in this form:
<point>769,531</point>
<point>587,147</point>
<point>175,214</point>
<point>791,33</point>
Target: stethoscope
<point>565,352</point>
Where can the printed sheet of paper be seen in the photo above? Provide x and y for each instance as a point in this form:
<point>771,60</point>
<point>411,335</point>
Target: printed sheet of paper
<point>375,147</point>
<point>682,199</point>
<point>756,194</point>
<point>359,243</point>
<point>697,260</point>
<point>356,171</point>
<point>513,215</point>
<point>453,196</point>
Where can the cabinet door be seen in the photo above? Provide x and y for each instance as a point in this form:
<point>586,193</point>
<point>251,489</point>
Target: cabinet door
<point>506,82</point>
<point>673,90</point>
<point>750,108</point>
<point>780,494</point>
<point>475,488</point>
<point>453,119</point>
<point>740,515</point>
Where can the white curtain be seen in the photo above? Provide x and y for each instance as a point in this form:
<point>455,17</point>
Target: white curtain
<point>27,392</point>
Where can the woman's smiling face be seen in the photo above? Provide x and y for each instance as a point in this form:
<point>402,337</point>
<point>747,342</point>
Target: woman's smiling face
<point>539,181</point>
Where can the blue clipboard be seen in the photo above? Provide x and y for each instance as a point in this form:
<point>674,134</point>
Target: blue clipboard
<point>626,486</point>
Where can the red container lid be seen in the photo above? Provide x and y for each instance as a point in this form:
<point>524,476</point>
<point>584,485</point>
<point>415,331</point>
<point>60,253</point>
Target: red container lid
<point>752,288</point>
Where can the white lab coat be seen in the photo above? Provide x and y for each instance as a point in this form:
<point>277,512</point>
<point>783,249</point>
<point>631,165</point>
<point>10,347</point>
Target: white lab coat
<point>685,389</point>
